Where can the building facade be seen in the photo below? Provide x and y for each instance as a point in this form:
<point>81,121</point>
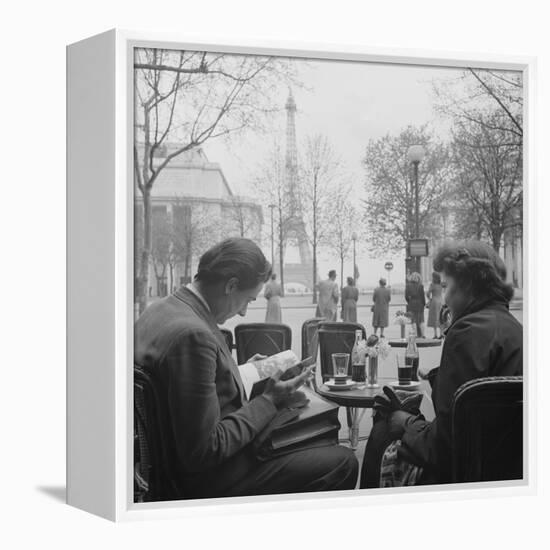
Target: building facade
<point>192,208</point>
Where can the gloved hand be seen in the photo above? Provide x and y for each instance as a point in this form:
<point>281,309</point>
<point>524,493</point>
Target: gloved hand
<point>392,401</point>
<point>388,403</point>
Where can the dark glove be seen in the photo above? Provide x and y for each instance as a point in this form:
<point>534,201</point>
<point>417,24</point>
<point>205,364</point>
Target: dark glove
<point>398,400</point>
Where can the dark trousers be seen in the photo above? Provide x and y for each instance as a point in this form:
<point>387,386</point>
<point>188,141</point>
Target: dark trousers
<point>379,439</point>
<point>330,468</point>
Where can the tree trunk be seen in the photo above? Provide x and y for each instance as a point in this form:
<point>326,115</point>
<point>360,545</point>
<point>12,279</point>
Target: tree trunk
<point>314,271</point>
<point>172,285</point>
<point>341,273</point>
<point>146,252</point>
<point>187,267</point>
<point>315,240</point>
<point>496,237</point>
<point>281,259</point>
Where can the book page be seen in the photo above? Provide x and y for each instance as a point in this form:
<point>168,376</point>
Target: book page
<point>249,375</point>
<point>280,361</point>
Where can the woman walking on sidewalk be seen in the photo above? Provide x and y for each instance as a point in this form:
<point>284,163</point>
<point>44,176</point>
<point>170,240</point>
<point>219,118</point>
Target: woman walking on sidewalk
<point>350,296</point>
<point>272,294</point>
<point>380,310</point>
<point>435,301</point>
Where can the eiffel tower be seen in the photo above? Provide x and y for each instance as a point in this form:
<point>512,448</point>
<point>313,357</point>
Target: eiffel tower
<point>302,271</point>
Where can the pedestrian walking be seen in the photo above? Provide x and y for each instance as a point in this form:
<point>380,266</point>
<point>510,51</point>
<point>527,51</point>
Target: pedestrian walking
<point>416,301</point>
<point>435,301</point>
<point>328,297</point>
<point>272,293</point>
<point>380,310</point>
<point>350,296</point>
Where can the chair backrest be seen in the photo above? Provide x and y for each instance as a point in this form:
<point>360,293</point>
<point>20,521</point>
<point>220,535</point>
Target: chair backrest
<point>310,337</point>
<point>336,338</point>
<point>264,338</point>
<point>152,478</point>
<point>228,335</point>
<point>487,430</point>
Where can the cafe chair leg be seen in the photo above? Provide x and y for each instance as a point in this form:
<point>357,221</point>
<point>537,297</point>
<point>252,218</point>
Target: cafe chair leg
<point>356,415</point>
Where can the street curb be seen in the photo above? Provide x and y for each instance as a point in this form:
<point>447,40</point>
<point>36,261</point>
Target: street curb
<point>515,306</point>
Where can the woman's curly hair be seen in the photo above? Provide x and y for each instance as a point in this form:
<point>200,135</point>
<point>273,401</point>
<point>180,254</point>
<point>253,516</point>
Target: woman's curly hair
<point>476,268</point>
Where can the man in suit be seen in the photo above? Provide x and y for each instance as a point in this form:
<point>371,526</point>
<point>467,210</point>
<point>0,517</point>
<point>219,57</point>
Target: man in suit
<point>209,426</point>
<point>328,297</point>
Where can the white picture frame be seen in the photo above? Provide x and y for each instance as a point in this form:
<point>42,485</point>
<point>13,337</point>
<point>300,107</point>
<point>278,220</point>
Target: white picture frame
<point>100,268</point>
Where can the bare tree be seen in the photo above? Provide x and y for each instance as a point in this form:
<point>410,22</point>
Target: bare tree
<point>476,92</point>
<point>389,205</point>
<point>194,230</point>
<point>320,172</point>
<point>161,249</point>
<point>189,98</point>
<point>270,188</point>
<point>242,218</point>
<point>344,218</point>
<point>489,174</point>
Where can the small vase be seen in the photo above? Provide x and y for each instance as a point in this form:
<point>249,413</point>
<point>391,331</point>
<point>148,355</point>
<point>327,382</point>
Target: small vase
<point>402,332</point>
<point>372,372</point>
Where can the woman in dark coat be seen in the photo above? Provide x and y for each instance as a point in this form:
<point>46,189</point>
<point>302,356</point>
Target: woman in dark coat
<point>435,297</point>
<point>483,339</point>
<point>350,295</point>
<point>416,301</point>
<point>380,312</point>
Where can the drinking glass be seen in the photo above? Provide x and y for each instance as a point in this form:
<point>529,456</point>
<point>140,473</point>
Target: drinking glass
<point>404,372</point>
<point>340,363</point>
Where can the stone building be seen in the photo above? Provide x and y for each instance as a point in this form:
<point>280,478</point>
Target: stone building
<point>193,207</point>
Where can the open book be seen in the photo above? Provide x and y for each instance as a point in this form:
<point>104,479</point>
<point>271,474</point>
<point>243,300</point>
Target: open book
<point>311,422</point>
<point>255,375</point>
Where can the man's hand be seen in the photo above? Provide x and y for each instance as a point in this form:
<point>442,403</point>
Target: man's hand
<point>280,392</point>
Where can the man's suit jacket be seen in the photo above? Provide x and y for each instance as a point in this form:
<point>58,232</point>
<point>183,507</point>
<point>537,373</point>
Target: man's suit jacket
<point>208,423</point>
<point>328,299</point>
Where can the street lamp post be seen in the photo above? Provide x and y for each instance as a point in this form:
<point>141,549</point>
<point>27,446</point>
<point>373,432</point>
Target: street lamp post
<point>271,207</point>
<point>415,154</point>
<point>354,239</point>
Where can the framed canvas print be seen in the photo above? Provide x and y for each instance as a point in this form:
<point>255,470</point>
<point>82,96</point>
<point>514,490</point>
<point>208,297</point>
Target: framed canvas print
<point>296,274</point>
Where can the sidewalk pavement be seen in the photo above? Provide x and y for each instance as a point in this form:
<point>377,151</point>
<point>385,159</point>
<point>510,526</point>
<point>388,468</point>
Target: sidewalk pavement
<point>301,302</point>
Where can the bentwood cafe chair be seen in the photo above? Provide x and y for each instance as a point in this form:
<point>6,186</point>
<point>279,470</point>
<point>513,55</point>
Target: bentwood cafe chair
<point>336,338</point>
<point>264,338</point>
<point>487,428</point>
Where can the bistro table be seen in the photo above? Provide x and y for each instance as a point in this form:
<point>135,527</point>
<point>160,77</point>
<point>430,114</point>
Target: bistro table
<point>357,401</point>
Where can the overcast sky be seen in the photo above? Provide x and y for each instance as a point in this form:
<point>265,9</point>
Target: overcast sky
<point>351,103</point>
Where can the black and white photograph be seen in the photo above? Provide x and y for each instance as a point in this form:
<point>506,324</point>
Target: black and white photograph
<point>328,280</point>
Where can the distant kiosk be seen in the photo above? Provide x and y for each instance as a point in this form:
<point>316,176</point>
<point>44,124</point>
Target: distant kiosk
<point>416,248</point>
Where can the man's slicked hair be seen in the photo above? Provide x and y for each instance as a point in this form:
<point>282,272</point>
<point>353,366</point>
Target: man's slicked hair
<point>234,258</point>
